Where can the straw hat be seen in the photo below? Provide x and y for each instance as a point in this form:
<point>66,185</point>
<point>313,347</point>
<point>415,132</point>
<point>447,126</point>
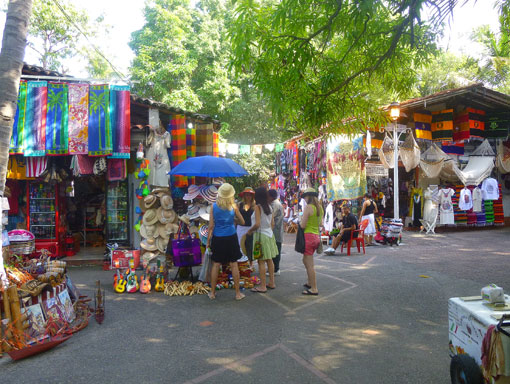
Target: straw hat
<point>148,202</point>
<point>205,212</point>
<point>161,244</point>
<point>166,201</point>
<point>165,230</point>
<point>310,192</point>
<point>150,217</point>
<point>209,192</point>
<point>147,257</point>
<point>165,215</point>
<point>184,218</point>
<point>247,190</point>
<point>160,190</point>
<point>226,191</point>
<point>193,192</point>
<point>203,232</point>
<point>149,244</point>
<point>148,231</point>
<point>193,212</point>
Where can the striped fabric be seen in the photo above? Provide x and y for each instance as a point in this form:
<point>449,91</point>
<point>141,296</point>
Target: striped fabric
<point>120,121</point>
<point>376,137</point>
<point>469,123</point>
<point>216,141</point>
<point>205,140</point>
<point>442,125</point>
<point>177,129</point>
<point>34,133</point>
<point>36,166</point>
<point>100,131</point>
<point>57,119</point>
<point>422,125</point>
<point>191,148</point>
<point>452,148</point>
<point>16,146</point>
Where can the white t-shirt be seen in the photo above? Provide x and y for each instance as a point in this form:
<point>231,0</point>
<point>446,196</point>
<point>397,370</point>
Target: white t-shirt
<point>465,200</point>
<point>490,190</point>
<point>477,200</point>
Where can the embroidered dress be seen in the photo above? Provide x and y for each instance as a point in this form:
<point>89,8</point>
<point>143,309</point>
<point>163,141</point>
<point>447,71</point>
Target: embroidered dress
<point>158,159</point>
<point>446,207</point>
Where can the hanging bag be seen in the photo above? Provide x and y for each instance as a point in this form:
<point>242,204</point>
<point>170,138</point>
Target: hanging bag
<point>300,240</point>
<point>186,251</point>
<point>257,245</point>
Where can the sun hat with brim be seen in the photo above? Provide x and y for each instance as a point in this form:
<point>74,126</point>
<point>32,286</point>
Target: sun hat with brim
<point>149,244</point>
<point>150,217</point>
<point>147,257</point>
<point>162,243</point>
<point>148,231</point>
<point>166,201</point>
<point>184,218</point>
<point>148,202</point>
<point>247,190</point>
<point>205,212</point>
<point>165,215</point>
<point>193,212</point>
<point>165,230</point>
<point>209,193</point>
<point>226,191</point>
<point>310,192</point>
<point>158,190</point>
<point>193,192</point>
<point>203,232</point>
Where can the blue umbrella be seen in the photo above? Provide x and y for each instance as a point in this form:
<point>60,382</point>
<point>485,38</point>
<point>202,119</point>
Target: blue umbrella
<point>209,166</point>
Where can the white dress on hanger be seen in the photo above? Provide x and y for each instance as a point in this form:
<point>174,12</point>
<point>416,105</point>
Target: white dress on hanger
<point>157,154</point>
<point>446,207</point>
<point>429,207</point>
<point>477,200</point>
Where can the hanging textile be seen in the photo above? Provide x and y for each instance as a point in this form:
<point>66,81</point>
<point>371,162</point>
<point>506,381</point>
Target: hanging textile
<point>376,137</point>
<point>205,140</point>
<point>78,119</point>
<point>16,145</point>
<point>233,149</point>
<point>177,130</point>
<point>452,148</point>
<point>476,122</point>
<point>477,169</point>
<point>257,149</point>
<point>432,161</point>
<point>57,119</point>
<point>244,149</point>
<point>100,134</point>
<point>216,140</point>
<point>269,147</point>
<point>422,125</point>
<point>120,121</point>
<point>461,128</point>
<point>35,121</point>
<point>279,147</point>
<point>116,169</point>
<point>442,125</point>
<point>191,148</point>
<point>346,177</point>
<point>16,168</point>
<point>503,158</point>
<point>386,154</point>
<point>410,153</point>
<point>222,148</point>
<point>35,166</point>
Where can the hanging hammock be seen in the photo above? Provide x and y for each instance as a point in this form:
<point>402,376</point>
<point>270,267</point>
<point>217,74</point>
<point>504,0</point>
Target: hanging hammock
<point>503,158</point>
<point>410,153</point>
<point>484,149</point>
<point>432,161</point>
<point>386,154</point>
<point>479,166</point>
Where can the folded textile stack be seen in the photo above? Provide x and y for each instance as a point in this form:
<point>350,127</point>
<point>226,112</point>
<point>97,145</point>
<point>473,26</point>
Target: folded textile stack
<point>499,217</point>
<point>459,215</point>
<point>489,211</point>
<point>480,217</point>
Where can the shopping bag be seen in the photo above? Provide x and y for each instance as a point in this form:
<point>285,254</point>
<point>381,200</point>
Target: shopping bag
<point>186,251</point>
<point>257,246</point>
<point>300,240</point>
<point>205,271</point>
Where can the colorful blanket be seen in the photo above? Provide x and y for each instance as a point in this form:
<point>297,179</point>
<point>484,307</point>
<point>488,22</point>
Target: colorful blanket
<point>100,134</point>
<point>16,146</point>
<point>422,125</point>
<point>452,148</point>
<point>216,141</point>
<point>34,132</point>
<point>177,129</point>
<point>442,125</point>
<point>78,119</point>
<point>120,121</point>
<point>57,119</point>
<point>191,148</point>
<point>376,137</point>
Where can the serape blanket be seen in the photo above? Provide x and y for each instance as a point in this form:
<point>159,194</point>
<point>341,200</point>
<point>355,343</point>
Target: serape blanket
<point>34,133</point>
<point>16,145</point>
<point>452,148</point>
<point>376,137</point>
<point>100,133</point>
<point>422,125</point>
<point>57,119</point>
<point>216,140</point>
<point>191,148</point>
<point>469,123</point>
<point>78,119</point>
<point>177,129</point>
<point>442,125</point>
<point>120,121</point>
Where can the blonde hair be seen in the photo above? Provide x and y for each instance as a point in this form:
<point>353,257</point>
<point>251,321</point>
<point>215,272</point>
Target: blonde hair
<point>315,201</point>
<point>226,203</point>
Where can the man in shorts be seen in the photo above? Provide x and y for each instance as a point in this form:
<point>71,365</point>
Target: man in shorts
<point>349,224</point>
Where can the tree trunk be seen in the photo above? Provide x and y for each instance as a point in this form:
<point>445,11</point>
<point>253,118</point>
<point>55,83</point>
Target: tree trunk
<point>11,63</point>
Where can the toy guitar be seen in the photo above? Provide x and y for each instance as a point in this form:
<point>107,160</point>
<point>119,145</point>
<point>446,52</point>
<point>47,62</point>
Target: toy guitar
<point>132,279</point>
<point>119,284</point>
<point>160,280</point>
<point>145,284</point>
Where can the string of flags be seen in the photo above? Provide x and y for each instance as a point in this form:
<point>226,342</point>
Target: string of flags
<point>241,149</point>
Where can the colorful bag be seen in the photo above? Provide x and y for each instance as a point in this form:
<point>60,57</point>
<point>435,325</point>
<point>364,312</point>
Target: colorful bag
<point>257,246</point>
<point>186,251</point>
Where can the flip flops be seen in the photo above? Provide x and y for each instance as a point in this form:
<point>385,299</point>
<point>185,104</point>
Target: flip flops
<point>257,290</point>
<point>310,293</point>
<point>307,286</point>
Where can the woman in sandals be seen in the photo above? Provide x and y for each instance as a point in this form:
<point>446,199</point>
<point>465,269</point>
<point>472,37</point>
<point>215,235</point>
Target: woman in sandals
<point>222,237</point>
<point>262,231</point>
<point>310,222</point>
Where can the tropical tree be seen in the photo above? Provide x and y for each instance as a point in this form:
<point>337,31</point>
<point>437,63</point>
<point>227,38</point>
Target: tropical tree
<point>98,102</point>
<point>11,62</point>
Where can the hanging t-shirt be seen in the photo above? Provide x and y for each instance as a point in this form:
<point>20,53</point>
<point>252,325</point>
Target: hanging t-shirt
<point>446,206</point>
<point>465,200</point>
<point>477,200</point>
<point>490,190</point>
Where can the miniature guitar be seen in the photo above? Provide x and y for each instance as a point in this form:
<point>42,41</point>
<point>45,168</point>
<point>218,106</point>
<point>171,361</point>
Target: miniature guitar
<point>160,280</point>
<point>119,284</point>
<point>132,280</point>
<point>145,284</point>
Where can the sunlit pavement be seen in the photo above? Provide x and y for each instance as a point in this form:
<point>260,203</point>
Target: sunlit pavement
<point>380,318</point>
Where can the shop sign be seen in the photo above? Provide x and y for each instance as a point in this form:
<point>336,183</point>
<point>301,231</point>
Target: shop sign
<point>374,170</point>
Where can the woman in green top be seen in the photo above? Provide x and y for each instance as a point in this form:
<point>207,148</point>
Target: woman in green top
<point>310,222</point>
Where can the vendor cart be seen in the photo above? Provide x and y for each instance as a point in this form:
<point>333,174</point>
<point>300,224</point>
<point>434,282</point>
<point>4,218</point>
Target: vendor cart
<point>479,341</point>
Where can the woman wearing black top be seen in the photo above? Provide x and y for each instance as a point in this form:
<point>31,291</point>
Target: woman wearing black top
<point>246,208</point>
<point>367,213</point>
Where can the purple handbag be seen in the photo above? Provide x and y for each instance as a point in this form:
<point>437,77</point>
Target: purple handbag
<point>186,251</point>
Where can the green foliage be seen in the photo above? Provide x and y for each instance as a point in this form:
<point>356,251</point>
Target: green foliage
<point>259,167</point>
<point>321,62</point>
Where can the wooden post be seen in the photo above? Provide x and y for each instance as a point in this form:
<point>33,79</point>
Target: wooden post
<point>7,308</point>
<point>15,307</point>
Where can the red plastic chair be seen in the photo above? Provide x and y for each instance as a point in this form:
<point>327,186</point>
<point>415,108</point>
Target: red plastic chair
<point>359,240</point>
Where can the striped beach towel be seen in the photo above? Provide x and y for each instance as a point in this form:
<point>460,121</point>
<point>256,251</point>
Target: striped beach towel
<point>36,166</point>
<point>177,129</point>
<point>100,134</point>
<point>78,119</point>
<point>442,125</point>
<point>34,132</point>
<point>120,121</point>
<point>57,114</point>
<point>422,125</point>
<point>16,146</point>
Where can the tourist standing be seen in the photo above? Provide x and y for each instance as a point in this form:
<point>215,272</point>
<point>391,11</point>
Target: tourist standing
<point>262,229</point>
<point>368,213</point>
<point>222,237</point>
<point>310,222</point>
<point>246,208</point>
<point>278,215</point>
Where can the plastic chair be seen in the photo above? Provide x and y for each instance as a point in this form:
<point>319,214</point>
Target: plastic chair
<point>359,240</point>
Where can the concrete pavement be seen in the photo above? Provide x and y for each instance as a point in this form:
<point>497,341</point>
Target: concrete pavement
<point>375,321</point>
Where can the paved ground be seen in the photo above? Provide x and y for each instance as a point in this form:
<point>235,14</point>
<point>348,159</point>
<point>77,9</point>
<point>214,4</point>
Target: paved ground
<point>375,321</point>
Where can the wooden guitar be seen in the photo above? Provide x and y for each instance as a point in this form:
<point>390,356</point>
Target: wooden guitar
<point>160,280</point>
<point>119,284</point>
<point>132,279</point>
<point>145,284</point>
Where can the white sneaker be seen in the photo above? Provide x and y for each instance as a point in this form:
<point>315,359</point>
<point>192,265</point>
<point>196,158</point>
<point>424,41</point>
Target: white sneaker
<point>276,273</point>
<point>330,251</point>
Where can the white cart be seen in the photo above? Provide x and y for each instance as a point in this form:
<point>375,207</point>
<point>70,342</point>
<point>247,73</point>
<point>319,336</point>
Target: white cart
<point>469,318</point>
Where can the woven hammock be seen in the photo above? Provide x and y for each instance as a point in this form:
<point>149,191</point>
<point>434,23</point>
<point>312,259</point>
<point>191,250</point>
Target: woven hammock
<point>386,154</point>
<point>484,149</point>
<point>410,153</point>
<point>432,161</point>
<point>503,159</point>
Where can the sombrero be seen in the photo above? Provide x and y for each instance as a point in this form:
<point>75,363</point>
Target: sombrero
<point>166,201</point>
<point>150,217</point>
<point>149,244</point>
<point>184,219</point>
<point>162,243</point>
<point>165,215</point>
<point>204,212</point>
<point>159,190</point>
<point>148,231</point>
<point>148,202</point>
<point>165,230</point>
<point>193,192</point>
